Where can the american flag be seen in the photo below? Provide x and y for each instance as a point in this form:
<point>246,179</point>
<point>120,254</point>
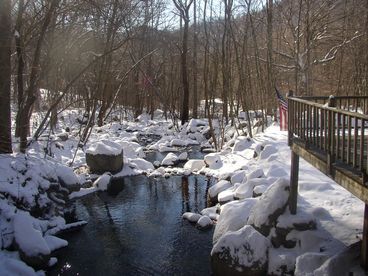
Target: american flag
<point>283,109</point>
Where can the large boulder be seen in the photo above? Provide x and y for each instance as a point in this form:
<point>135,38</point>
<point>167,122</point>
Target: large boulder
<point>243,252</point>
<point>270,206</point>
<point>105,156</point>
<point>287,223</point>
<point>233,216</point>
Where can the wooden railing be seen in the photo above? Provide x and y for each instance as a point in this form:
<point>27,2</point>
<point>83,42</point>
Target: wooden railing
<point>348,103</point>
<point>329,135</point>
<point>328,126</point>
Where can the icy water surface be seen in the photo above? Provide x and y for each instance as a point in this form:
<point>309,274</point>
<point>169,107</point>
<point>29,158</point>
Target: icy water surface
<point>140,231</point>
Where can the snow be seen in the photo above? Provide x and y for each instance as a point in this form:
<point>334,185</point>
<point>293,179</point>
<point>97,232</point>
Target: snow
<point>102,182</point>
<point>194,165</point>
<point>13,266</point>
<point>105,147</point>
<point>67,175</point>
<point>213,161</point>
<point>308,262</point>
<point>55,243</point>
<point>272,199</point>
<point>170,159</point>
<point>253,165</point>
<point>29,239</point>
<point>238,177</point>
<point>234,215</point>
<point>192,217</point>
<point>246,246</point>
<point>204,222</point>
<point>141,164</point>
<point>242,143</point>
<point>220,186</point>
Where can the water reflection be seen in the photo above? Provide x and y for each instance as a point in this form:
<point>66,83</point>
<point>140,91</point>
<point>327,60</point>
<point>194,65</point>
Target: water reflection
<point>140,231</point>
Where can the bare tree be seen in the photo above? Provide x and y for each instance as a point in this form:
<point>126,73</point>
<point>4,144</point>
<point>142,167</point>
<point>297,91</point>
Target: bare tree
<point>183,7</point>
<point>5,76</point>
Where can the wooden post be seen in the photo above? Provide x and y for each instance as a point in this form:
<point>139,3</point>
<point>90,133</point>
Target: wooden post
<point>294,175</point>
<point>290,119</point>
<point>364,252</point>
<point>331,135</point>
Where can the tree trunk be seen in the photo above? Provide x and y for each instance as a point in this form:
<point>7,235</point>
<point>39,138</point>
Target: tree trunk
<point>5,76</point>
<point>23,118</point>
<point>19,49</point>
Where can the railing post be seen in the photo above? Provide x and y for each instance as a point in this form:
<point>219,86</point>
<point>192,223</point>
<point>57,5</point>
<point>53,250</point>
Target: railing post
<point>331,135</point>
<point>364,249</point>
<point>290,118</point>
<point>294,176</point>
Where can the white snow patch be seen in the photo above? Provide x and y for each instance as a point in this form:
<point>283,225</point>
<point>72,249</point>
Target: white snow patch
<point>105,147</point>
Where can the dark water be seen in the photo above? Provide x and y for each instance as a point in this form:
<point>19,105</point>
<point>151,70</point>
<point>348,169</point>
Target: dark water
<point>140,231</point>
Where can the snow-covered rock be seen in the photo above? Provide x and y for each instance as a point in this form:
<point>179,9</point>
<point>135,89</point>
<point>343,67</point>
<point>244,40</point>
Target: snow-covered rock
<point>308,262</point>
<point>267,152</point>
<point>220,186</point>
<point>238,177</point>
<point>257,173</point>
<point>67,178</point>
<point>242,143</point>
<point>141,164</point>
<point>234,215</point>
<point>276,171</point>
<point>213,161</point>
<point>104,147</point>
<point>243,252</point>
<point>33,248</point>
<point>192,217</point>
<point>194,124</point>
<point>225,196</point>
<point>270,206</point>
<point>170,159</point>
<point>102,183</point>
<point>194,165</point>
<point>132,149</point>
<point>13,266</point>
<point>204,222</point>
<point>211,212</point>
<point>105,156</point>
<point>245,190</point>
<point>183,156</point>
<point>165,148</point>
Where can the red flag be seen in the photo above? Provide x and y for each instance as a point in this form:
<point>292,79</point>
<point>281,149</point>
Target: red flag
<point>283,109</point>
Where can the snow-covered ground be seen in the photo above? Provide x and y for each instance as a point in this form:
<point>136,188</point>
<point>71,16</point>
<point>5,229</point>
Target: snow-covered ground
<point>252,186</point>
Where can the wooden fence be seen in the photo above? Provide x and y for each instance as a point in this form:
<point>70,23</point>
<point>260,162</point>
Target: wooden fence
<point>331,133</point>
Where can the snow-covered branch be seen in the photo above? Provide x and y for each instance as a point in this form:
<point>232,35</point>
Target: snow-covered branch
<point>331,54</point>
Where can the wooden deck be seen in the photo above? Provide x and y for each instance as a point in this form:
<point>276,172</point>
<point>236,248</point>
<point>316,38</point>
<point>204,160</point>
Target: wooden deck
<point>331,133</point>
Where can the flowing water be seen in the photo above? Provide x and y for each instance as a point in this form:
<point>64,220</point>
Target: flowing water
<point>139,231</point>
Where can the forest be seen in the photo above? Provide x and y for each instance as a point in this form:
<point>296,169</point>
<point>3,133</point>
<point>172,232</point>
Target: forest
<point>144,137</point>
<point>192,58</point>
